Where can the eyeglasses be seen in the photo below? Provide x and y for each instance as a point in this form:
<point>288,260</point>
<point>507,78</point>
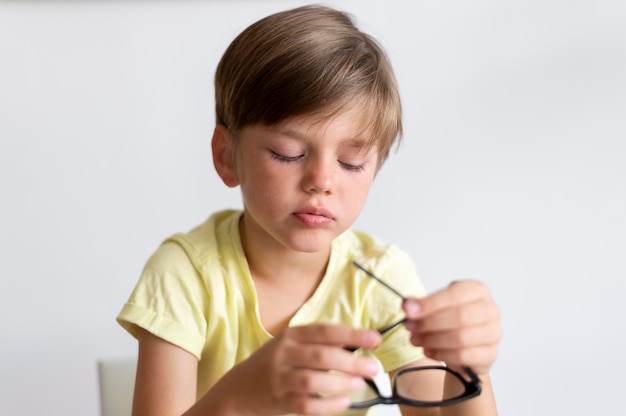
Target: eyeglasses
<point>414,386</point>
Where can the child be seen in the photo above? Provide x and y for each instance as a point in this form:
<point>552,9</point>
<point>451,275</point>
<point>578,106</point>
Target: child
<point>256,312</point>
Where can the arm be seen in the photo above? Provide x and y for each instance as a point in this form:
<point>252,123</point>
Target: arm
<point>166,377</point>
<point>166,382</point>
<point>460,326</point>
<point>289,374</point>
<point>484,404</point>
<point>435,384</point>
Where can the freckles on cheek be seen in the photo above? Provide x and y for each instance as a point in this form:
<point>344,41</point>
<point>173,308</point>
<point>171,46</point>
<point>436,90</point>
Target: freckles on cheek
<point>261,192</point>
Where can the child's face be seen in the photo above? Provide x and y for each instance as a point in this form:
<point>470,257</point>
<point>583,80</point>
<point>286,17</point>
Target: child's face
<point>305,181</point>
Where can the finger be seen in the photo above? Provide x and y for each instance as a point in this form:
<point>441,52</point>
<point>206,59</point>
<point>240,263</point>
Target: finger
<point>457,293</point>
<point>478,312</point>
<point>479,358</point>
<point>306,404</point>
<point>337,335</point>
<point>320,382</point>
<point>466,337</point>
<point>325,358</point>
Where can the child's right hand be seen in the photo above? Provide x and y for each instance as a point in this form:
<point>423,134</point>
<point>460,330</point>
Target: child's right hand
<point>292,372</point>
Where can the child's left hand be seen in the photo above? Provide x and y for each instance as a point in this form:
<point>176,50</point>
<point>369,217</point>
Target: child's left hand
<point>459,325</point>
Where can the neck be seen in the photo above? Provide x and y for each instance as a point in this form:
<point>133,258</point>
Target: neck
<point>283,278</point>
<point>269,260</point>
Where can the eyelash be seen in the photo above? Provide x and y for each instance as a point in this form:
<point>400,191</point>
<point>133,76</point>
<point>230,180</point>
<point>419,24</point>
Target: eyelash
<point>354,168</point>
<point>292,159</point>
<point>285,159</point>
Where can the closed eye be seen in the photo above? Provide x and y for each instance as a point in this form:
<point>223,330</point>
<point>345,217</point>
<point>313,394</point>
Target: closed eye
<point>351,167</point>
<point>284,158</point>
<point>292,159</point>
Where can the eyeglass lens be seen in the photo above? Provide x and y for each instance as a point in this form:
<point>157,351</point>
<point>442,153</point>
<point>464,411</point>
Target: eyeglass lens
<point>424,386</point>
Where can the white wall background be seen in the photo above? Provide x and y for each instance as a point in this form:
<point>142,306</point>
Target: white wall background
<point>512,171</point>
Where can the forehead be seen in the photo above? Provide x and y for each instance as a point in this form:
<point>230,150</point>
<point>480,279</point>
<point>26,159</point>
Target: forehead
<point>351,125</point>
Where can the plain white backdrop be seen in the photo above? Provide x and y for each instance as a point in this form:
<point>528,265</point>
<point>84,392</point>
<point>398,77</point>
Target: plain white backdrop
<point>512,171</point>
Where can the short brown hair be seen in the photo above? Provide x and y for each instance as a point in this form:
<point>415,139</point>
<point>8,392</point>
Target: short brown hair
<point>308,60</point>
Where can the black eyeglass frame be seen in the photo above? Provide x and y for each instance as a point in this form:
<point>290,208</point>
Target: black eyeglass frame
<point>472,386</point>
<point>472,389</point>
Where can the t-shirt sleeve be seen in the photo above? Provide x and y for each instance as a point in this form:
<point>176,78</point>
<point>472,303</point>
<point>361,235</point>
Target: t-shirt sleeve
<point>169,300</point>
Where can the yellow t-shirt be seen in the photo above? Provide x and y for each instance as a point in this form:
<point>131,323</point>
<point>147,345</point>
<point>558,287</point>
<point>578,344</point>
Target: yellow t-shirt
<point>196,292</point>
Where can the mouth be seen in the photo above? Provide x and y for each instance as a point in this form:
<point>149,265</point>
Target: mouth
<point>314,217</point>
<point>318,212</point>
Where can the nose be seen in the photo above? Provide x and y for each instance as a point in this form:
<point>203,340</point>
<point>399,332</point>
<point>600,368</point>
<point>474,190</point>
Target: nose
<point>318,176</point>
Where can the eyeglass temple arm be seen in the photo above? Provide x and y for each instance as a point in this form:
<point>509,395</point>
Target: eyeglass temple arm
<point>388,328</point>
<point>381,331</point>
<point>468,370</point>
<point>382,282</point>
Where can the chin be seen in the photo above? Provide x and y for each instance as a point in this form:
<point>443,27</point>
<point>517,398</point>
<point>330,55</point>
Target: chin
<point>311,243</point>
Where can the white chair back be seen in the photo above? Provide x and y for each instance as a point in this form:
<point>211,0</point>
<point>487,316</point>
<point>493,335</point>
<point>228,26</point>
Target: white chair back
<point>116,378</point>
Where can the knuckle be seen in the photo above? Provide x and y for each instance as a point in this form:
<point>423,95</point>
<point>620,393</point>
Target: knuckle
<point>461,316</point>
<point>497,314</point>
<point>435,354</point>
<point>276,385</point>
<point>464,355</point>
<point>319,355</point>
<point>360,365</point>
<point>287,334</point>
<point>498,335</point>
<point>463,337</point>
<point>322,330</point>
<point>306,404</point>
<point>299,404</point>
<point>279,356</point>
<point>306,383</point>
<point>456,290</point>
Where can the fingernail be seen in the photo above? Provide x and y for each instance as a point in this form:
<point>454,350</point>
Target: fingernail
<point>372,337</point>
<point>412,307</point>
<point>372,367</point>
<point>357,383</point>
<point>344,401</point>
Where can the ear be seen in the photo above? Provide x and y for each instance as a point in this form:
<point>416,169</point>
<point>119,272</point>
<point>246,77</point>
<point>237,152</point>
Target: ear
<point>222,160</point>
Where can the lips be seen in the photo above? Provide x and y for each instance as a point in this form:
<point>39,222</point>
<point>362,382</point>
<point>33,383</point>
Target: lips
<point>314,217</point>
<point>320,212</point>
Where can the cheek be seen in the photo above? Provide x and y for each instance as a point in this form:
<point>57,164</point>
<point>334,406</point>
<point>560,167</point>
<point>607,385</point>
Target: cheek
<point>249,169</point>
<point>362,197</point>
<point>261,186</point>
<point>261,178</point>
<point>356,194</point>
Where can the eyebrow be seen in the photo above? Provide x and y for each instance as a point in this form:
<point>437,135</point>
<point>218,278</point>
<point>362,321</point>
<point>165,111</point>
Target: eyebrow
<point>358,142</point>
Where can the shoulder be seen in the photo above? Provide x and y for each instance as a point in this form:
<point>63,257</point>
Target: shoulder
<point>385,260</point>
<point>167,268</point>
<point>218,233</point>
<point>366,248</point>
<point>184,253</point>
